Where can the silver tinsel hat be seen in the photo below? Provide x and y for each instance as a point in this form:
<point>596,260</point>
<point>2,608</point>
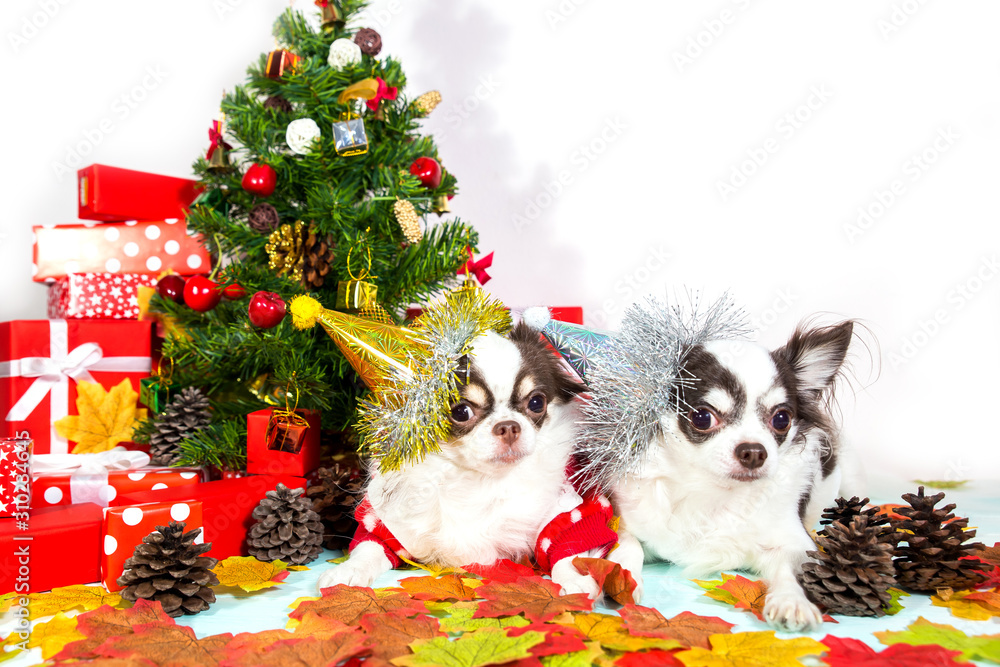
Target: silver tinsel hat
<point>637,377</point>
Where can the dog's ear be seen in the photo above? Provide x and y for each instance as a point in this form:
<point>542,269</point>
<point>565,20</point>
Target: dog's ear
<point>816,355</point>
<point>538,356</point>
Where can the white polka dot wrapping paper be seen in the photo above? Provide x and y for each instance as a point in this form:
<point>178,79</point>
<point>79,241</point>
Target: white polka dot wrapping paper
<point>98,295</point>
<point>120,247</point>
<point>69,488</point>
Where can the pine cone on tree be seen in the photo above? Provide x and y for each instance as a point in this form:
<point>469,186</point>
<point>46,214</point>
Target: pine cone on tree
<point>935,544</point>
<point>334,498</point>
<point>852,570</point>
<point>168,567</point>
<point>287,528</point>
<point>186,414</point>
<point>317,255</point>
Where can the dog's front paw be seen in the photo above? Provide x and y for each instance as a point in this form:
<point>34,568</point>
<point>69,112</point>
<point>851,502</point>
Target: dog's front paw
<point>792,612</point>
<point>366,563</point>
<point>565,574</point>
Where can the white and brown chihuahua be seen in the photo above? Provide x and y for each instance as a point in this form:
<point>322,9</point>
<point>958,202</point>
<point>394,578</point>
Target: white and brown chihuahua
<point>738,476</point>
<point>493,486</point>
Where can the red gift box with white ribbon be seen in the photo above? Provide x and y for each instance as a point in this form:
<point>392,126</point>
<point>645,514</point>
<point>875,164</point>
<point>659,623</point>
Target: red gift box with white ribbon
<point>124,528</point>
<point>98,295</point>
<point>42,360</point>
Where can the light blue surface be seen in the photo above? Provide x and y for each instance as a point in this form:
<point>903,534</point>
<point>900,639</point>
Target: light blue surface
<point>666,589</point>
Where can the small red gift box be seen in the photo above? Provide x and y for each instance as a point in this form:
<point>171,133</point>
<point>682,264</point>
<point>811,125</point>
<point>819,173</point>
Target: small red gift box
<point>98,295</point>
<point>56,546</point>
<point>124,528</point>
<point>15,476</point>
<point>130,247</point>
<point>227,507</point>
<point>42,360</point>
<point>263,459</point>
<point>112,193</point>
<point>68,489</point>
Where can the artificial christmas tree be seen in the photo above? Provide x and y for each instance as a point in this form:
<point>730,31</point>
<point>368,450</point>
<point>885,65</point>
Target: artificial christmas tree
<point>287,528</point>
<point>322,137</point>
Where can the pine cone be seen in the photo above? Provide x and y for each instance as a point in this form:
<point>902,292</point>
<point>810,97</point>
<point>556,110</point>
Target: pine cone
<point>278,103</point>
<point>287,528</point>
<point>168,567</point>
<point>852,570</point>
<point>935,543</point>
<point>186,414</point>
<point>369,41</point>
<point>317,255</point>
<point>846,510</point>
<point>263,218</point>
<point>334,497</point>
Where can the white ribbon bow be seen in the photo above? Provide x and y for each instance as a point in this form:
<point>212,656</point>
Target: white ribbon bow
<point>89,472</point>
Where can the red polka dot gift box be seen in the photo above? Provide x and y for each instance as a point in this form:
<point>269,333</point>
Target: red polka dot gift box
<point>109,296</point>
<point>115,194</point>
<point>15,476</point>
<point>126,247</point>
<point>124,528</point>
<point>102,488</point>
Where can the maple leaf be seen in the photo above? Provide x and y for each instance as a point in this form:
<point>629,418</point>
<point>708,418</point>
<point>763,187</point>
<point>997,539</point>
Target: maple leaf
<point>894,605</point>
<point>538,599</point>
<point>460,618</point>
<point>991,554</point>
<point>855,653</point>
<point>71,597</point>
<point>942,483</point>
<point>559,639</point>
<point>302,652</point>
<point>610,632</point>
<point>973,605</point>
<point>503,570</point>
<point>104,418</point>
<point>689,629</point>
<point>489,646</point>
<point>298,568</point>
<point>584,658</point>
<point>6,600</point>
<point>738,591</point>
<point>167,646</point>
<point>53,635</point>
<point>109,662</point>
<point>348,604</point>
<point>922,632</point>
<point>617,583</point>
<point>314,625</point>
<point>448,587</point>
<point>256,641</point>
<point>751,649</point>
<point>250,574</point>
<point>654,658</point>
<point>391,634</point>
<point>104,622</point>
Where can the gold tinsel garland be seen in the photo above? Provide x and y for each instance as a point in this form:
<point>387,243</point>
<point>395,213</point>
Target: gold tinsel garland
<point>286,250</point>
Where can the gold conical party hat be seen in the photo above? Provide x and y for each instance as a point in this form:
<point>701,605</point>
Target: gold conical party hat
<point>378,352</point>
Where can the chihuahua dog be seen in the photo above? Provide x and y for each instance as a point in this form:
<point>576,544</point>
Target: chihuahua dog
<point>741,472</point>
<point>498,487</point>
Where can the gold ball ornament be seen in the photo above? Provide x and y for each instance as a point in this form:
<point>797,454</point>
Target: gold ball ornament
<point>408,220</point>
<point>427,102</point>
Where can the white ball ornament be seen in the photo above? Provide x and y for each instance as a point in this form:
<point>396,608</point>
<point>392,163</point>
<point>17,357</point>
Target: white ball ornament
<point>301,134</point>
<point>343,52</point>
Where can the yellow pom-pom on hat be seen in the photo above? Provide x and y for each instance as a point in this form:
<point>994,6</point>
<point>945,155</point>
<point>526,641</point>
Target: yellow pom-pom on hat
<point>305,311</point>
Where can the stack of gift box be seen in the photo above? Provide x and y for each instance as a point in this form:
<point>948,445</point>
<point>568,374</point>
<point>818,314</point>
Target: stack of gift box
<point>76,518</point>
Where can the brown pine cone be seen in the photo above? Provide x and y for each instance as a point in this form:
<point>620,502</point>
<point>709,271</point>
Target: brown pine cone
<point>334,498</point>
<point>316,256</point>
<point>287,528</point>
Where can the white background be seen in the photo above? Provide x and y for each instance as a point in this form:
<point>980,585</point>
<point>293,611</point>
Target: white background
<point>641,110</point>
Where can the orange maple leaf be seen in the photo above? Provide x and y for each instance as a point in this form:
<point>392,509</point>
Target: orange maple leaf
<point>687,628</point>
<point>167,646</point>
<point>105,622</point>
<point>104,418</point>
<point>348,604</point>
<point>616,582</point>
<point>441,589</point>
<point>973,605</point>
<point>256,641</point>
<point>303,652</point>
<point>610,632</point>
<point>538,599</point>
<point>391,634</point>
<point>749,594</point>
<point>990,554</point>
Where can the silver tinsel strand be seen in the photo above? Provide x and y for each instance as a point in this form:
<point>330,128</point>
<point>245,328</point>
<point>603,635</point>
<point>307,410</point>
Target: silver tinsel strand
<point>635,382</point>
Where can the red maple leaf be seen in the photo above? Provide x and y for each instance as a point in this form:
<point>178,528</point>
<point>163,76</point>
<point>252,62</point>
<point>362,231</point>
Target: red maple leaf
<point>855,653</point>
<point>538,599</point>
<point>349,604</point>
<point>655,658</point>
<point>105,622</point>
<point>503,570</point>
<point>559,639</point>
<point>687,628</point>
<point>391,634</point>
<point>167,646</point>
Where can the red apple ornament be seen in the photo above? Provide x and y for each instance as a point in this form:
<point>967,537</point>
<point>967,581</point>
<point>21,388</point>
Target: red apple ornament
<point>202,294</point>
<point>428,170</point>
<point>260,179</point>
<point>266,310</point>
<point>171,287</point>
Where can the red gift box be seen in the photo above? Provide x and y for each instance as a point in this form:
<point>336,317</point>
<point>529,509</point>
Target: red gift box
<point>42,360</point>
<point>98,295</point>
<point>112,193</point>
<point>69,489</point>
<point>130,247</point>
<point>227,507</point>
<point>262,460</point>
<point>15,476</point>
<point>58,546</point>
<point>124,528</point>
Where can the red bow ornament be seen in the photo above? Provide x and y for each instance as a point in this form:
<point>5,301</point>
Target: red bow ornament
<point>385,92</point>
<point>215,135</point>
<point>477,268</point>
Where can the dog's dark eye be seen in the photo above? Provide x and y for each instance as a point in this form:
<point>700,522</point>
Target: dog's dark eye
<point>781,421</point>
<point>461,413</point>
<point>537,403</point>
<point>704,419</point>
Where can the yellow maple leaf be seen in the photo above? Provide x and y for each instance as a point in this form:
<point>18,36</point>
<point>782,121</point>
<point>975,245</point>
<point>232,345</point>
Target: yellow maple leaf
<point>250,574</point>
<point>751,649</point>
<point>104,418</point>
<point>71,597</point>
<point>610,632</point>
<point>298,568</point>
<point>53,635</point>
<point>973,605</point>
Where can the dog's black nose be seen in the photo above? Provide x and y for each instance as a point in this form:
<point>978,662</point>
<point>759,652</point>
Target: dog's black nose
<point>507,431</point>
<point>751,455</point>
